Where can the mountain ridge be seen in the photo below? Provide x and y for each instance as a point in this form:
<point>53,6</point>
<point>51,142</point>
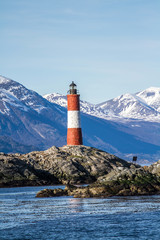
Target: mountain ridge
<point>123,107</point>
<point>136,105</point>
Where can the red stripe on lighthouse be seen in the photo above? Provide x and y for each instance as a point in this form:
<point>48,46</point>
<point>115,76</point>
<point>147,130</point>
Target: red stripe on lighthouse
<point>73,102</point>
<point>74,136</point>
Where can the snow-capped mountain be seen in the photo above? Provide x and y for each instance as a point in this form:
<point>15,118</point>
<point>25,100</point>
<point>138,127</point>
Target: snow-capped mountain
<point>22,118</point>
<point>30,122</point>
<point>143,105</point>
<point>16,94</point>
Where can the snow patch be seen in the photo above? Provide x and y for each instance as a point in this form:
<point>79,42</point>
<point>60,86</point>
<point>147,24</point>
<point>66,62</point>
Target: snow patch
<point>4,80</point>
<point>7,97</point>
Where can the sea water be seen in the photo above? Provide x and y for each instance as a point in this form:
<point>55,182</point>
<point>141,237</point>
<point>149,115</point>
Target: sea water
<point>22,216</point>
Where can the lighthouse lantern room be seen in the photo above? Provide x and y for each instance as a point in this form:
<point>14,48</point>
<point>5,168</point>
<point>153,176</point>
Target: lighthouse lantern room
<point>73,88</point>
<point>74,132</point>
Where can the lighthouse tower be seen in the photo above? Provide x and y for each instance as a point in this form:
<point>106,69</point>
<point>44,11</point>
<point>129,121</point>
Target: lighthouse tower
<point>74,132</point>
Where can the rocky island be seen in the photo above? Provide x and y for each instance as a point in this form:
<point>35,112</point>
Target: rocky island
<point>68,164</point>
<point>107,174</point>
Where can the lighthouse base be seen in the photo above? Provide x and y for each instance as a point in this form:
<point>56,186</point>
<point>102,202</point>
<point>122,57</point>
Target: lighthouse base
<point>74,136</point>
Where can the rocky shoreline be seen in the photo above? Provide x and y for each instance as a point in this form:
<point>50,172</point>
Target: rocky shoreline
<point>106,174</point>
<point>136,184</point>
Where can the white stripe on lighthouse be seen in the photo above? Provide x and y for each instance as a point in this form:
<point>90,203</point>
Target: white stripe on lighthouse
<point>74,119</point>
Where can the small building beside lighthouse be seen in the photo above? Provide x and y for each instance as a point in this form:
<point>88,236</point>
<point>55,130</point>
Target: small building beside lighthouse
<point>74,131</point>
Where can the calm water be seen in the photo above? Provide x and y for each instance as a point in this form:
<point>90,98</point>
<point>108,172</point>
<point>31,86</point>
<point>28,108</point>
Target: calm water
<point>22,216</point>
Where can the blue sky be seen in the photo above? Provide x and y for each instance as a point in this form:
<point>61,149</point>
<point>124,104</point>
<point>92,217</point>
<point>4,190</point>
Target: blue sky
<point>108,47</point>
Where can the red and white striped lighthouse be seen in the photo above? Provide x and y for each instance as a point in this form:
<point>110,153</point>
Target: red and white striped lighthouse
<point>74,132</point>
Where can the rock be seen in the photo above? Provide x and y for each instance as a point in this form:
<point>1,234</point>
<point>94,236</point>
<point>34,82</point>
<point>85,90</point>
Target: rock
<point>69,189</point>
<point>131,182</point>
<point>17,172</point>
<point>51,193</point>
<point>68,164</point>
<point>155,168</point>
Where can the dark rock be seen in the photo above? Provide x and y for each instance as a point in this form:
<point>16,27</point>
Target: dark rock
<point>16,172</point>
<point>52,193</point>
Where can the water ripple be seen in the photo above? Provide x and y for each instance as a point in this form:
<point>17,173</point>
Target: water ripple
<point>25,217</point>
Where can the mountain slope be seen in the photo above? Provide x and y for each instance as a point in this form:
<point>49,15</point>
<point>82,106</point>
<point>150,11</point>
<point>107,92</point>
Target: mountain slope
<point>110,136</point>
<point>28,118</point>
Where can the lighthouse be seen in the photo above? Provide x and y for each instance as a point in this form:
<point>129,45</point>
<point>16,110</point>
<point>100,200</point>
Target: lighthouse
<point>74,132</point>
